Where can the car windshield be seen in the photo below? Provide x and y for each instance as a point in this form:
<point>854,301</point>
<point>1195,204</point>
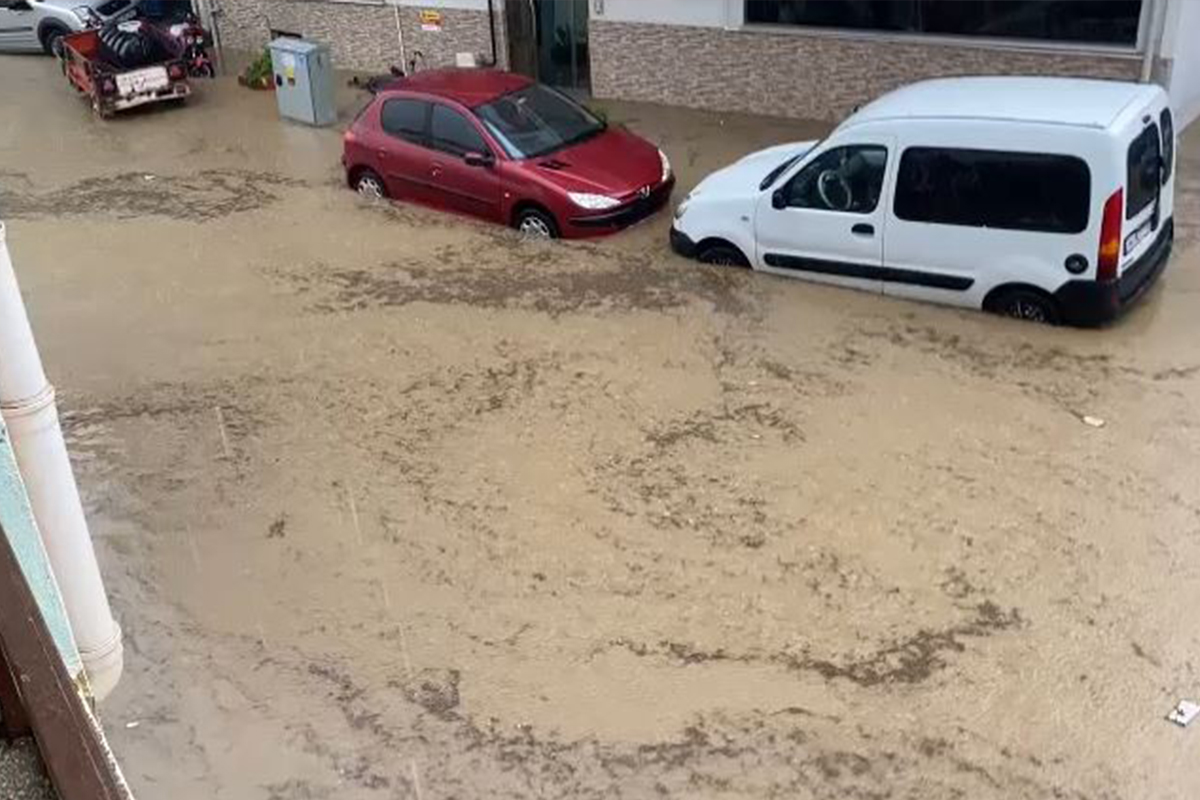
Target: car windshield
<point>537,120</point>
<point>774,174</point>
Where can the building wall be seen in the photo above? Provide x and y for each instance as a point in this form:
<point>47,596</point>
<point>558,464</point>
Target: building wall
<point>815,76</point>
<point>363,36</point>
<point>1178,65</point>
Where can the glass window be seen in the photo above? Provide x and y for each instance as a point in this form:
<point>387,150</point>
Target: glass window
<point>537,120</point>
<point>846,179</point>
<point>405,119</point>
<point>769,180</point>
<point>1144,172</point>
<point>453,133</point>
<point>994,189</point>
<point>1168,143</point>
<point>1112,22</point>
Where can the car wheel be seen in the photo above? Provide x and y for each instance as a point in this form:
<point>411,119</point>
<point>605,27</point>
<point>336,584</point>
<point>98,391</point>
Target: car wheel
<point>722,255</point>
<point>52,42</point>
<point>537,224</point>
<point>1026,305</point>
<point>99,110</point>
<point>370,185</point>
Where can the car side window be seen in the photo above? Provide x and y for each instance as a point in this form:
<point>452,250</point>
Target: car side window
<point>451,132</point>
<point>847,179</point>
<point>1042,192</point>
<point>405,119</point>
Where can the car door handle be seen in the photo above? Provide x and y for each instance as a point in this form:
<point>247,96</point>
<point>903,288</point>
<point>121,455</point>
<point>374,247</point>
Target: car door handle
<point>863,229</point>
<point>435,168</point>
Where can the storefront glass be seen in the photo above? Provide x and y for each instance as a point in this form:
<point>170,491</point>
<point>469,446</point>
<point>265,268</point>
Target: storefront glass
<point>1104,22</point>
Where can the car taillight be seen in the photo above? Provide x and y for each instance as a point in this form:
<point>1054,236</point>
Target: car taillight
<point>1110,237</point>
<point>175,71</point>
<point>349,137</point>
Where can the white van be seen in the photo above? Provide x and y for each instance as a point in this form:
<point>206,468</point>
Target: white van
<point>1048,199</point>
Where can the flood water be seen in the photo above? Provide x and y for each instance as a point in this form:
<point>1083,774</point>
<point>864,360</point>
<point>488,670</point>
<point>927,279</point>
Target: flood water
<point>394,505</point>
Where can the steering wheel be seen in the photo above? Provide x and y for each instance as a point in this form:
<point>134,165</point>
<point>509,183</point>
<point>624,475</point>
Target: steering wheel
<point>835,190</point>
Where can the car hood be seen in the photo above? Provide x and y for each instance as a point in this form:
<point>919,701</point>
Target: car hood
<point>614,163</point>
<point>745,175</point>
<point>67,5</point>
<point>94,5</point>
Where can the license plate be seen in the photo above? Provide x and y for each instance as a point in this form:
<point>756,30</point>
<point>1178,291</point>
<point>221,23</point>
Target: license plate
<point>1135,238</point>
<point>150,79</point>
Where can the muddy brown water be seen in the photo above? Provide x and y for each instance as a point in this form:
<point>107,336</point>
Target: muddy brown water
<point>394,505</point>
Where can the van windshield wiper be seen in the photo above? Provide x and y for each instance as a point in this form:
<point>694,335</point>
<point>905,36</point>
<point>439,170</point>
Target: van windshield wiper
<point>774,174</point>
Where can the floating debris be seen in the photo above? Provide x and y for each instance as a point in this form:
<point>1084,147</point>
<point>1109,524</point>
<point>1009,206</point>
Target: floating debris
<point>1183,714</point>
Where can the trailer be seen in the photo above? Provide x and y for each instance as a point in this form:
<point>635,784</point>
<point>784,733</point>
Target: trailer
<point>111,87</point>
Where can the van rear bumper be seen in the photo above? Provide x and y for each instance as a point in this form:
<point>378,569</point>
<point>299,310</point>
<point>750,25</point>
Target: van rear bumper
<point>1090,303</point>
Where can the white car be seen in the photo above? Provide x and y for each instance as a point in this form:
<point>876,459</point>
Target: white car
<point>1048,199</point>
<point>33,25</point>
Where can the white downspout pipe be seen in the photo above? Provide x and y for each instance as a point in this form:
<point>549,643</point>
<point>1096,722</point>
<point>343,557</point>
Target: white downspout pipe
<point>27,405</point>
<point>1153,44</point>
<point>400,36</point>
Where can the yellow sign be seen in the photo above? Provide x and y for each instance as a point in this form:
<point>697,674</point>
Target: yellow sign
<point>431,20</point>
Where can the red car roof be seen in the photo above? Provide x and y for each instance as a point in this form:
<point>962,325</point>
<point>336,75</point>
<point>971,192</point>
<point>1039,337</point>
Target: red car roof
<point>471,87</point>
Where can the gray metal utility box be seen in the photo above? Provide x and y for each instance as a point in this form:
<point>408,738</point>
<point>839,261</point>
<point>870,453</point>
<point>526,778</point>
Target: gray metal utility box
<point>304,81</point>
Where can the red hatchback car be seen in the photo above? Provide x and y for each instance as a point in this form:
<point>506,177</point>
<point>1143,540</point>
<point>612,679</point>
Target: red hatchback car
<point>502,147</point>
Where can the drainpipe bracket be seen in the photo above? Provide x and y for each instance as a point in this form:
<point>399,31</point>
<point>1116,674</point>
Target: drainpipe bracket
<point>28,406</point>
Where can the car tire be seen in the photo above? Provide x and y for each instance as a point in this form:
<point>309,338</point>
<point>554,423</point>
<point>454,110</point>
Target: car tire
<point>1027,305</point>
<point>98,110</point>
<point>536,224</point>
<point>369,185</point>
<point>52,41</point>
<point>722,255</point>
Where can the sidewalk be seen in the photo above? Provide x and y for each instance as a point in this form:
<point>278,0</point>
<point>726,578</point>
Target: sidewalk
<point>22,776</point>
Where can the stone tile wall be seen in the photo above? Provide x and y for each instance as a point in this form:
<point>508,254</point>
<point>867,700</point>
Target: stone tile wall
<point>363,36</point>
<point>796,74</point>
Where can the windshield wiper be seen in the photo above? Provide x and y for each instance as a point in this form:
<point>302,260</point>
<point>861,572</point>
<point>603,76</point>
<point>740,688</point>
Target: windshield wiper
<point>576,139</point>
<point>774,174</point>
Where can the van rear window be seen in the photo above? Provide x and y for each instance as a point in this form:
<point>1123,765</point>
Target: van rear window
<point>994,189</point>
<point>1168,143</point>
<point>1142,181</point>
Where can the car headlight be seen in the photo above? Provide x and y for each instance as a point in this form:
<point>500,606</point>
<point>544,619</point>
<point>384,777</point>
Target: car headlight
<point>666,166</point>
<point>682,208</point>
<point>593,202</point>
<point>87,16</point>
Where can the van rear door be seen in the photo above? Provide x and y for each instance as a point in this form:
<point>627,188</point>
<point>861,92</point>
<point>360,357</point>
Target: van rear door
<point>1147,200</point>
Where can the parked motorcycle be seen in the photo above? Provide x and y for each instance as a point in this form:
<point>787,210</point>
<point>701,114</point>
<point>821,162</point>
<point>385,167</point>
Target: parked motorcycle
<point>194,41</point>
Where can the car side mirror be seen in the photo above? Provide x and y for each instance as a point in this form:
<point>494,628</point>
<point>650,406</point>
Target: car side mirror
<point>479,159</point>
<point>779,199</point>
